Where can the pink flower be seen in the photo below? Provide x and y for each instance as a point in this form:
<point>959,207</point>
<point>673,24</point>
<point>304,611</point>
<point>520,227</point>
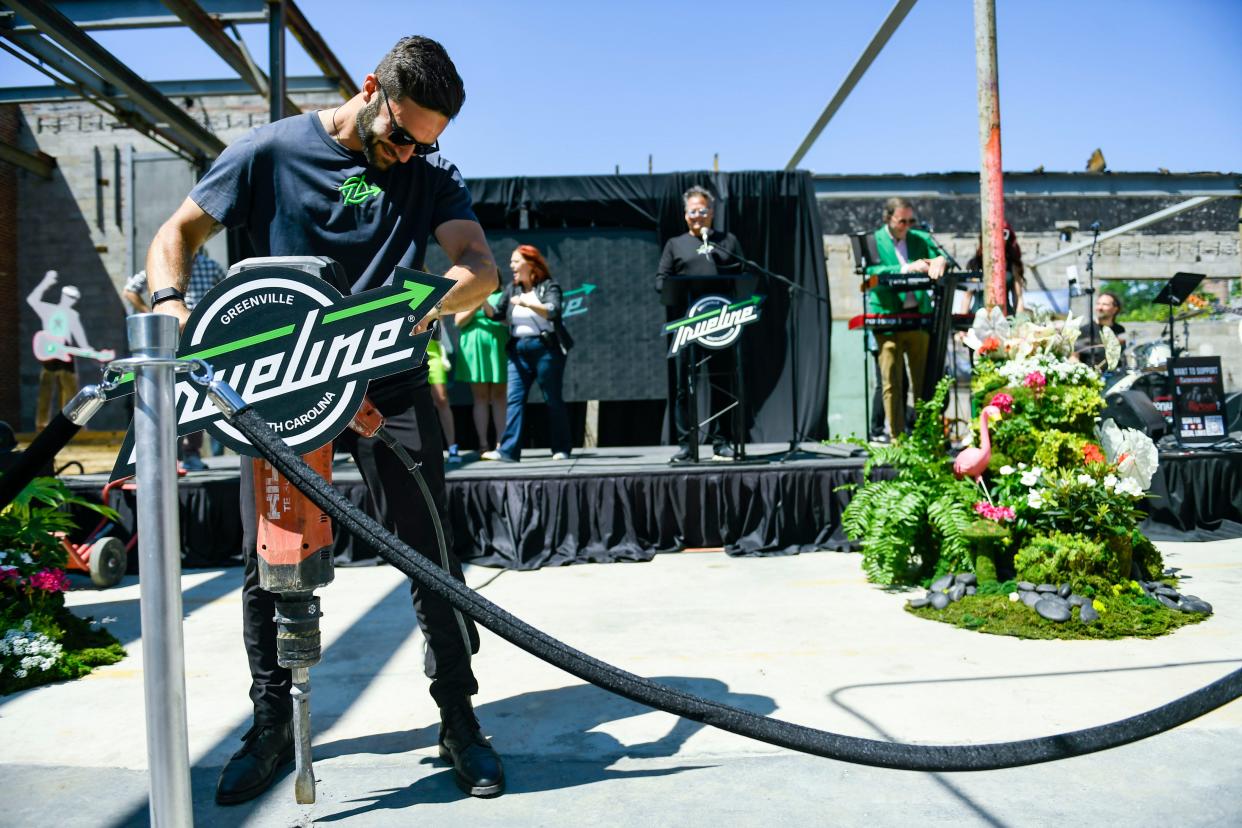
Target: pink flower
<point>9,572</point>
<point>1035,381</point>
<point>996,513</point>
<point>1003,401</point>
<point>50,580</point>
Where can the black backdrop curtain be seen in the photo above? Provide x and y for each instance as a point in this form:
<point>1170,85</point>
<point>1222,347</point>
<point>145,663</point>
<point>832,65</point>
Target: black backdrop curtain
<point>774,216</point>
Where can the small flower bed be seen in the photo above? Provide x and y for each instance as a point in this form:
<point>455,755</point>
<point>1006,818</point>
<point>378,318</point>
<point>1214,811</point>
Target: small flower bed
<point>1062,492</point>
<point>40,640</point>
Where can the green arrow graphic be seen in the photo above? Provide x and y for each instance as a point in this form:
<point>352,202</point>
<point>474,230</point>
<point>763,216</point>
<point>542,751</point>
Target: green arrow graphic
<point>586,288</point>
<point>414,293</point>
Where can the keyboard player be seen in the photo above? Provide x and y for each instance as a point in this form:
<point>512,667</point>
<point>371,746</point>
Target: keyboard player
<point>902,250</point>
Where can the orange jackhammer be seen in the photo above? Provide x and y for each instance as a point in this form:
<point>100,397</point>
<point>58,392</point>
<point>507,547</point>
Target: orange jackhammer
<point>295,559</point>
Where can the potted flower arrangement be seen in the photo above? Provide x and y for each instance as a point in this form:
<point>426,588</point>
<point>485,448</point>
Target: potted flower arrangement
<point>40,639</point>
<point>1057,511</point>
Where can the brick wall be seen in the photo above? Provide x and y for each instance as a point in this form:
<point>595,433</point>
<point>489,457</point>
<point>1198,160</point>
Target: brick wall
<point>10,301</point>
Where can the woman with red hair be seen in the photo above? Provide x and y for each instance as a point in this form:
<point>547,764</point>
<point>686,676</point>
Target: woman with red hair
<point>538,345</point>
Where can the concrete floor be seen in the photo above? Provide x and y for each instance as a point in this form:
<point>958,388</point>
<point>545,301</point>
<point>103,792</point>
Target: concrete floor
<point>802,638</point>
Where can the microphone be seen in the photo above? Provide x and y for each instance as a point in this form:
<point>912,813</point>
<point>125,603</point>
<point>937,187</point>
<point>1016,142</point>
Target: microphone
<point>706,246</point>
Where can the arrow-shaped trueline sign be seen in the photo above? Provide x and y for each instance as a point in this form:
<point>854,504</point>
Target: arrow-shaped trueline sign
<point>413,293</point>
<point>295,349</point>
<point>699,317</point>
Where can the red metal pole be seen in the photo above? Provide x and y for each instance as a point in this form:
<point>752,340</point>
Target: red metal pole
<point>991,181</point>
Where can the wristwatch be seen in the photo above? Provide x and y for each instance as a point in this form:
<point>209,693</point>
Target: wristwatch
<point>164,294</point>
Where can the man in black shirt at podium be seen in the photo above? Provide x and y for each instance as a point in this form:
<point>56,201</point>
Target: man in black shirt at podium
<point>687,265</point>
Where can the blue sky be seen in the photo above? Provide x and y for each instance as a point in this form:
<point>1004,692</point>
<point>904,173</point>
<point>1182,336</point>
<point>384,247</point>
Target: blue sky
<point>561,88</point>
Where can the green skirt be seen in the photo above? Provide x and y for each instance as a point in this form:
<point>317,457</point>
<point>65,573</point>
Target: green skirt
<point>481,353</point>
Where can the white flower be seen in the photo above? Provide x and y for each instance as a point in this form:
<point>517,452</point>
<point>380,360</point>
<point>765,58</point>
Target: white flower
<point>26,559</point>
<point>1130,487</point>
<point>1006,470</point>
<point>1086,480</point>
<point>1022,465</point>
<point>1030,478</point>
<point>1035,499</point>
<point>1110,480</point>
<point>1132,451</point>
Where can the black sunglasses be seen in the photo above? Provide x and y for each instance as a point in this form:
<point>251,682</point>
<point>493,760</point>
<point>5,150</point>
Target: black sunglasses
<point>401,138</point>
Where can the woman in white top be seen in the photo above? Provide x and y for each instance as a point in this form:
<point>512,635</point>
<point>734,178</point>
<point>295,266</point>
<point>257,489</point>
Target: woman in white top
<point>538,345</point>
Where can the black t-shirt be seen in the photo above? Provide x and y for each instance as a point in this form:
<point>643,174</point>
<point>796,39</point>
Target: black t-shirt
<point>297,192</point>
<point>681,258</point>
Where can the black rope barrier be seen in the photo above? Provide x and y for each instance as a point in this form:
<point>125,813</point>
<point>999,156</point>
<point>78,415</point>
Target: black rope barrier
<point>939,758</point>
<point>37,457</point>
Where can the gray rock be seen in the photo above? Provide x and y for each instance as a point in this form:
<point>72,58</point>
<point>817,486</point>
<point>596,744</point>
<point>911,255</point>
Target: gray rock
<point>1056,599</point>
<point>1198,605</point>
<point>1064,590</point>
<point>1087,614</point>
<point>939,600</point>
<point>971,590</point>
<point>916,603</point>
<point>956,592</point>
<point>1025,586</point>
<point>1167,601</point>
<point>1045,588</point>
<point>967,579</point>
<point>1031,598</point>
<point>942,583</point>
<point>1076,600</point>
<point>1168,591</point>
<point>1053,610</point>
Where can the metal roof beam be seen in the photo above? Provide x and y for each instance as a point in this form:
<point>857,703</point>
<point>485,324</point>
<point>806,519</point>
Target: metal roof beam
<point>890,24</point>
<point>1018,184</point>
<point>158,108</point>
<point>318,49</point>
<point>211,32</point>
<point>39,163</point>
<point>212,88</point>
<point>90,87</point>
<point>103,15</point>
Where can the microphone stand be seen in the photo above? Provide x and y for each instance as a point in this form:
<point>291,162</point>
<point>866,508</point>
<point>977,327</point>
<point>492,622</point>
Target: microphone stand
<point>952,266</point>
<point>791,290</point>
<point>1090,291</point>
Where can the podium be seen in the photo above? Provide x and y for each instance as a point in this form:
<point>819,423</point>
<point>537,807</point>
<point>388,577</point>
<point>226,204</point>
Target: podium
<point>712,322</point>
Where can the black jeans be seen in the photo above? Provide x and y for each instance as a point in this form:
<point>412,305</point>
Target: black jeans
<point>401,508</point>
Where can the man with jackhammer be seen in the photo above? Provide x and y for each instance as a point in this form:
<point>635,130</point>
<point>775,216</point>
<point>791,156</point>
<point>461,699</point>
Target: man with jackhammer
<point>364,184</point>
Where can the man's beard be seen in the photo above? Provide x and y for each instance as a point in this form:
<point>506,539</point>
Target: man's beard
<point>364,122</point>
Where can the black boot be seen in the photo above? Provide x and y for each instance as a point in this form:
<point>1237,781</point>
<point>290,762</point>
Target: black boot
<point>476,767</point>
<point>253,769</point>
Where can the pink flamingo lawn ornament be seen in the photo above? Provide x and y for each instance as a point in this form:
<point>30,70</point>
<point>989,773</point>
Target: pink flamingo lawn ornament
<point>973,462</point>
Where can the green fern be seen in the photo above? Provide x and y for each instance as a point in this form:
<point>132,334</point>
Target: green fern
<point>915,524</point>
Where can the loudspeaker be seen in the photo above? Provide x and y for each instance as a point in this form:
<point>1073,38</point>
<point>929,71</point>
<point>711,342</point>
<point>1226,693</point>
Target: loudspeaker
<point>1134,409</point>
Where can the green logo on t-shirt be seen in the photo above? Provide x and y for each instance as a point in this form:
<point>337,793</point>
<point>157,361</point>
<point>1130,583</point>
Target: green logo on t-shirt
<point>356,190</point>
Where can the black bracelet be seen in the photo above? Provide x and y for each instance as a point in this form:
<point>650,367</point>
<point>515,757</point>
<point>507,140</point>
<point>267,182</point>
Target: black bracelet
<point>164,294</point>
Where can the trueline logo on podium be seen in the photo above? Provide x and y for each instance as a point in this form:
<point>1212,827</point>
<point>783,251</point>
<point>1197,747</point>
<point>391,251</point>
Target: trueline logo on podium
<point>296,350</point>
<point>713,322</point>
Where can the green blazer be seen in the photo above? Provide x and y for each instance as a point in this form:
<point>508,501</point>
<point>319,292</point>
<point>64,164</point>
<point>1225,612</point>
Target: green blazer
<point>919,245</point>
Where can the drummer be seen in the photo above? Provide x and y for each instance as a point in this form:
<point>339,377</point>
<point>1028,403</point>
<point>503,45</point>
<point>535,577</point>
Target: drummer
<point>1107,306</point>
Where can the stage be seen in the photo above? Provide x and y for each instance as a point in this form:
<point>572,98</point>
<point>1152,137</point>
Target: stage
<point>630,504</point>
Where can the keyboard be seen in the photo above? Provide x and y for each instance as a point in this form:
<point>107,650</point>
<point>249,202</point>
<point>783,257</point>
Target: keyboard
<point>916,281</point>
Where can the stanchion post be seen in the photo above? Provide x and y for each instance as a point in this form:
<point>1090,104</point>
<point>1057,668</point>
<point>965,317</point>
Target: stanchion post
<point>153,336</point>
